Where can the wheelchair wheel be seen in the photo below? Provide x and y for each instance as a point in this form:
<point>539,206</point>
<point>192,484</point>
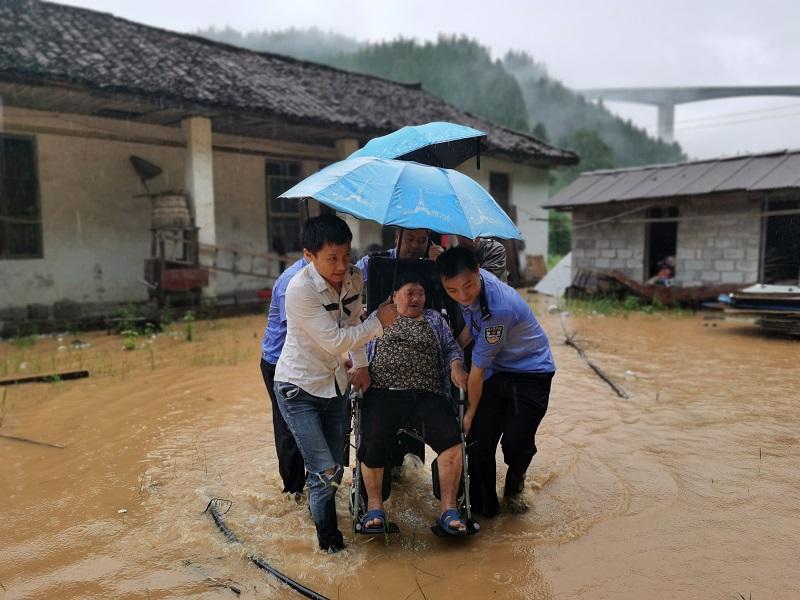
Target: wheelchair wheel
<point>351,496</point>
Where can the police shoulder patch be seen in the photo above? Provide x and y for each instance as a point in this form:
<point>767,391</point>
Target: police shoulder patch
<point>493,334</point>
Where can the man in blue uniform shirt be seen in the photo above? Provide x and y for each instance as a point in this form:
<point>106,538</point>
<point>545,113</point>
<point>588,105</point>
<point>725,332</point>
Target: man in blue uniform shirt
<point>509,381</point>
<point>290,461</point>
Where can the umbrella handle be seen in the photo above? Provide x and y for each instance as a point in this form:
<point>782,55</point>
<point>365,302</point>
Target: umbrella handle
<point>397,255</point>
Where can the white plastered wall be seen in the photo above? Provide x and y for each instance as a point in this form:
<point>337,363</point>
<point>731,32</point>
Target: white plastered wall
<point>96,234</point>
<point>529,189</point>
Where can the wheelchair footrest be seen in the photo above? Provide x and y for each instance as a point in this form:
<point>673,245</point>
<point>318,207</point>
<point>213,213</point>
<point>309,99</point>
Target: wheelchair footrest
<point>472,528</point>
<point>390,529</point>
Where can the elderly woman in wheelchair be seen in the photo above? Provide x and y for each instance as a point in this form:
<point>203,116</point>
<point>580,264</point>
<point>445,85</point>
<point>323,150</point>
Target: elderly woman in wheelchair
<point>411,368</point>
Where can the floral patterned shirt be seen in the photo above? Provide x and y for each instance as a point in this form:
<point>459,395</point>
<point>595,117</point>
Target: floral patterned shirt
<point>415,354</point>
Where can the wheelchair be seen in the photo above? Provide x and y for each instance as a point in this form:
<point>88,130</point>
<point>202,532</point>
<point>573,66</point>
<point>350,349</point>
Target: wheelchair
<point>382,273</point>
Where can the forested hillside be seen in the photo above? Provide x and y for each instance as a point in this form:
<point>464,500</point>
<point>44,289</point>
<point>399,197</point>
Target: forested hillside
<point>517,91</point>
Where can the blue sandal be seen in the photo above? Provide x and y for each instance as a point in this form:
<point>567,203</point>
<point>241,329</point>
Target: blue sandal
<point>447,519</point>
<point>371,515</point>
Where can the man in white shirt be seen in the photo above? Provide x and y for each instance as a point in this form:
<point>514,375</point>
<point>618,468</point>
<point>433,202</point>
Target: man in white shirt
<point>323,310</point>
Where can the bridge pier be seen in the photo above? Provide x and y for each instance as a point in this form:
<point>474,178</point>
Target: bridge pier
<point>666,122</point>
<point>665,98</point>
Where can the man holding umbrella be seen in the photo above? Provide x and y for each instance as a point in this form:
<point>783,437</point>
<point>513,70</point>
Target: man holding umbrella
<point>490,254</point>
<point>408,243</point>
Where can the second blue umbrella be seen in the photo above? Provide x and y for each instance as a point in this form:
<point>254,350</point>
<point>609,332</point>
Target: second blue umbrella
<point>409,195</point>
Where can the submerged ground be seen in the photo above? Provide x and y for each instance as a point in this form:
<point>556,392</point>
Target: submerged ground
<point>689,489</point>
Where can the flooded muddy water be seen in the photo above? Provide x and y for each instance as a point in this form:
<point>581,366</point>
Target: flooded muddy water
<point>688,489</point>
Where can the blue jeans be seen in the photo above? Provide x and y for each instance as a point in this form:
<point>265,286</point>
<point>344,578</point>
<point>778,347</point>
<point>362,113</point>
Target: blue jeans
<point>320,427</point>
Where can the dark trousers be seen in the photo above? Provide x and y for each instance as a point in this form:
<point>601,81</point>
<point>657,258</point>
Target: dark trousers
<point>511,408</point>
<point>290,461</point>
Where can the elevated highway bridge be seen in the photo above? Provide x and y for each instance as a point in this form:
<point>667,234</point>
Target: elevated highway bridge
<point>666,98</point>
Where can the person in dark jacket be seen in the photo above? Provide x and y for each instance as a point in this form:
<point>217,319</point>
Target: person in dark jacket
<point>490,254</point>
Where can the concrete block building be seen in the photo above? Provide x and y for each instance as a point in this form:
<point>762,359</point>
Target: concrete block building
<point>726,221</point>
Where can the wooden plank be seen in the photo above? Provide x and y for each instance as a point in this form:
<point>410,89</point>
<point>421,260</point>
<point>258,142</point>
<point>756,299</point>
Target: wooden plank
<point>53,377</point>
<point>537,265</point>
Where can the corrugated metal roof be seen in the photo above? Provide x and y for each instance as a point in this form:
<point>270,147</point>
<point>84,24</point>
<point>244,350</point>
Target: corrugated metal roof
<point>686,177</point>
<point>597,184</point>
<point>716,176</point>
<point>648,188</point>
<point>741,173</point>
<point>753,172</point>
<point>786,174</point>
<point>623,184</point>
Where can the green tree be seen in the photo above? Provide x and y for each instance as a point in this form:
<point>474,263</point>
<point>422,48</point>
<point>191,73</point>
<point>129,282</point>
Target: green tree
<point>594,152</point>
<point>559,233</point>
<point>457,69</point>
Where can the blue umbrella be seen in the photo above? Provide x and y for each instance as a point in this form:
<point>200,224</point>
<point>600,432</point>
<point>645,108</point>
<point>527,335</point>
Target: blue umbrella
<point>409,195</point>
<point>439,144</point>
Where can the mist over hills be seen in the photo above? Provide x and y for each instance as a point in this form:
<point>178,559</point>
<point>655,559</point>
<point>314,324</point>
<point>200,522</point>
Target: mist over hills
<point>517,91</point>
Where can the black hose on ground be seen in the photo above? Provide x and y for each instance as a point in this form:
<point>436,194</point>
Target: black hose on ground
<point>212,508</point>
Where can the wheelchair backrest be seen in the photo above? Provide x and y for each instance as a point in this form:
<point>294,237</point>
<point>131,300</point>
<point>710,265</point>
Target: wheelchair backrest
<point>383,271</point>
<point>381,276</point>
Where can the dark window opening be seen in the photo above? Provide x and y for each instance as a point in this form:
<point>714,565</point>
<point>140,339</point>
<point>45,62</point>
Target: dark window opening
<point>284,217</point>
<point>500,190</point>
<point>662,238</point>
<point>20,215</point>
<point>781,256</point>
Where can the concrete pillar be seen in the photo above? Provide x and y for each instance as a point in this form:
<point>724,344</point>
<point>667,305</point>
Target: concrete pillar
<point>199,183</point>
<point>308,167</point>
<point>666,122</point>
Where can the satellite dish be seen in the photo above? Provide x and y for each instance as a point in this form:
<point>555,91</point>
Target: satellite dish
<point>145,170</point>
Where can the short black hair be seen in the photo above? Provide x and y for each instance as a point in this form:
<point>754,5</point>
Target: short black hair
<point>455,261</point>
<point>406,278</point>
<point>325,229</point>
<point>402,230</point>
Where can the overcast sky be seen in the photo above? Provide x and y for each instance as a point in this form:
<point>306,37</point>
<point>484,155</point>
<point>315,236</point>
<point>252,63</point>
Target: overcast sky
<point>590,43</point>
